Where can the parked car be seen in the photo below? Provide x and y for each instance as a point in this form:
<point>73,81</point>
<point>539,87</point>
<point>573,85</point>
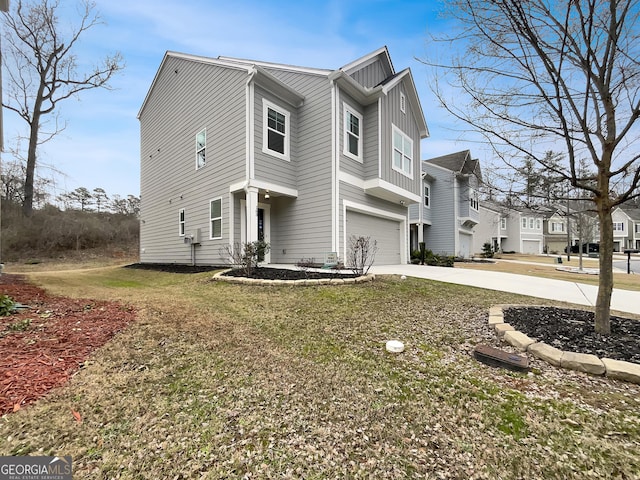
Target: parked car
<point>586,248</point>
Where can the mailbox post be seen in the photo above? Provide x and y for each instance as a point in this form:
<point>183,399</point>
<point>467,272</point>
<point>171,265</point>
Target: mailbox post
<point>629,252</point>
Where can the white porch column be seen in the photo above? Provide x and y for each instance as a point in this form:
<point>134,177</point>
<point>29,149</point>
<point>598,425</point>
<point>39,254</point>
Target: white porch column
<point>252,214</point>
<point>420,233</point>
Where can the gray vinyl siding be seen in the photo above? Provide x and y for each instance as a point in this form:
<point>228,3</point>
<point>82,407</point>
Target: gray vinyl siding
<point>348,164</point>
<point>268,167</point>
<point>371,142</point>
<point>301,227</point>
<point>440,235</point>
<point>371,75</point>
<point>187,97</point>
<point>392,115</point>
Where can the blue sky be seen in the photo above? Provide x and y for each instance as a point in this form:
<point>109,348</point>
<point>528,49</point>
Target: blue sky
<point>100,146</point>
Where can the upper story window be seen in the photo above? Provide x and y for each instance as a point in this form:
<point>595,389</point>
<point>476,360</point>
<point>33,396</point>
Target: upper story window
<point>215,217</point>
<point>473,199</point>
<point>201,149</point>
<point>524,222</point>
<point>403,103</point>
<point>618,226</point>
<point>181,222</point>
<point>503,223</point>
<point>637,227</point>
<point>557,227</point>
<point>427,196</point>
<point>352,133</point>
<point>275,137</point>
<point>538,224</point>
<point>402,152</point>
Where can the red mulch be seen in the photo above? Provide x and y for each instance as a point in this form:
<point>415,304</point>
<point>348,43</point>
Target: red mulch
<point>53,346</point>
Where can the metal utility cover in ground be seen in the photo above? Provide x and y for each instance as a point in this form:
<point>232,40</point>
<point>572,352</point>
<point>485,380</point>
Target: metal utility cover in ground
<point>499,358</point>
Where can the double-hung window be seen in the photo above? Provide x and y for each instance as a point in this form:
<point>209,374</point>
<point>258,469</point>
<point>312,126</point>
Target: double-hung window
<point>538,224</point>
<point>531,223</point>
<point>201,148</point>
<point>618,226</point>
<point>352,133</point>
<point>276,128</point>
<point>524,222</point>
<point>557,227</point>
<point>473,199</point>
<point>215,216</point>
<point>427,196</point>
<point>181,222</point>
<point>503,223</point>
<point>402,152</point>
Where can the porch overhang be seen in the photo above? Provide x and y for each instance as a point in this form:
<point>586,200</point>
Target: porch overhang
<point>390,192</point>
<point>272,188</point>
<point>468,222</point>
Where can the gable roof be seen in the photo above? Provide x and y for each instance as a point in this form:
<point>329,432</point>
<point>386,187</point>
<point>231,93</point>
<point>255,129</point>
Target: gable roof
<point>632,213</point>
<point>381,54</point>
<point>460,163</point>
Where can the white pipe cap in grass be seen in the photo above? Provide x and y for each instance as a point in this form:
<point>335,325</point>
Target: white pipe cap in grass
<point>395,346</point>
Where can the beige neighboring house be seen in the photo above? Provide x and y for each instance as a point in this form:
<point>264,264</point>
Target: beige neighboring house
<point>626,228</point>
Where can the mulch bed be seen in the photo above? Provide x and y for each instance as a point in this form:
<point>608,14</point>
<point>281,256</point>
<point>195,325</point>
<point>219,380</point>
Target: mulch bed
<point>265,273</point>
<point>43,346</point>
<point>573,330</point>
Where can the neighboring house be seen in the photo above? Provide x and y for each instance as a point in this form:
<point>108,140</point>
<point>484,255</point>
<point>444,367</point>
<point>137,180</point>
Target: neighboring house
<point>555,231</point>
<point>626,228</point>
<point>492,227</point>
<point>448,212</point>
<point>239,151</point>
<point>509,229</point>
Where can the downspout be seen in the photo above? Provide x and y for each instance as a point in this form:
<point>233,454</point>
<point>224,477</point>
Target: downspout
<point>335,203</point>
<point>456,213</point>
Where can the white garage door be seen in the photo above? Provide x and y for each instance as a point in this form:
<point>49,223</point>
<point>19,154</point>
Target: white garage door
<point>465,245</point>
<point>531,247</point>
<point>384,231</point>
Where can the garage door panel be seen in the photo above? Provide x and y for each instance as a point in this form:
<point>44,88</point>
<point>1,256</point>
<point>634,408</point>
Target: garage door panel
<point>384,231</point>
<point>531,247</point>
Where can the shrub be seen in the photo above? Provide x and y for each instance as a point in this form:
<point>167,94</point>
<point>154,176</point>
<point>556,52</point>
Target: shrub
<point>362,254</point>
<point>7,305</point>
<point>487,250</point>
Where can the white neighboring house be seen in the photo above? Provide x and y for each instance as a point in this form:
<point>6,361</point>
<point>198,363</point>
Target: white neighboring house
<point>509,229</point>
<point>626,228</point>
<point>449,211</point>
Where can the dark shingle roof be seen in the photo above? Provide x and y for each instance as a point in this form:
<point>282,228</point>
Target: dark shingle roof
<point>459,162</point>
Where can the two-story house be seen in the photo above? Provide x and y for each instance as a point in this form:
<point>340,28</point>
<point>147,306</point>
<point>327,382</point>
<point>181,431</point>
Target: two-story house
<point>510,229</point>
<point>236,151</point>
<point>626,228</point>
<point>555,229</point>
<point>448,211</point>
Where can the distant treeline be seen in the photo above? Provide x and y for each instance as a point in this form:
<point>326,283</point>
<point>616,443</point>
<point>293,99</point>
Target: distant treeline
<point>51,232</point>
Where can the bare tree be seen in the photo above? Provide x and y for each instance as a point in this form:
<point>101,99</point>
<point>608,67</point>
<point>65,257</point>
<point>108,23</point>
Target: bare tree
<point>361,254</point>
<point>43,71</point>
<point>541,75</point>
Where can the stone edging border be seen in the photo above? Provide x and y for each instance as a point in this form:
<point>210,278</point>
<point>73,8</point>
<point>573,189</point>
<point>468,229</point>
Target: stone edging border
<point>219,276</point>
<point>580,362</point>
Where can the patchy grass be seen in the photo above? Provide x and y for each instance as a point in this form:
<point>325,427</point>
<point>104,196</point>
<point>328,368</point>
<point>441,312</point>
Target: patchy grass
<point>544,266</point>
<point>229,381</point>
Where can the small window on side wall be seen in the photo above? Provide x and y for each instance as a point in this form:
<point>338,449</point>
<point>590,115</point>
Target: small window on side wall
<point>352,134</point>
<point>402,152</point>
<point>181,222</point>
<point>201,149</point>
<point>403,103</point>
<point>276,137</point>
<point>427,196</point>
<point>215,215</point>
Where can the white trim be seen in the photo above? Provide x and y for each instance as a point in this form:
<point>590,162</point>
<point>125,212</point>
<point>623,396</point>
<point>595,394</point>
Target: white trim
<point>231,222</point>
<point>349,110</point>
<point>424,185</point>
<point>266,227</point>
<point>259,184</point>
<point>266,105</point>
<point>250,127</point>
<point>380,137</point>
<point>350,179</point>
<point>182,217</point>
<point>379,183</point>
<point>211,237</point>
<point>279,66</point>
<point>335,240</point>
<point>401,171</point>
<point>377,212</point>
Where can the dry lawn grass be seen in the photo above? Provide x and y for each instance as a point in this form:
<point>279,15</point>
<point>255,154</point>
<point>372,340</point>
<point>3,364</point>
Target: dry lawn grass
<point>545,266</point>
<point>228,381</point>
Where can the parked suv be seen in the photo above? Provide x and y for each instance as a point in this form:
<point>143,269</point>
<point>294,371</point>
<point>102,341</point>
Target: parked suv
<point>586,248</point>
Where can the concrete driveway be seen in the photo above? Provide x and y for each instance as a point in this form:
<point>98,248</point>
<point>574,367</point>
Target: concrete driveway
<point>621,300</point>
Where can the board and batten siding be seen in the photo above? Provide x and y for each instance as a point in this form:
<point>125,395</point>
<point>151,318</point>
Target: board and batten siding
<point>371,142</point>
<point>370,75</point>
<point>187,97</point>
<point>301,227</point>
<point>392,115</point>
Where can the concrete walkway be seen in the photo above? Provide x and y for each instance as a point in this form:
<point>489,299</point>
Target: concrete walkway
<point>582,294</point>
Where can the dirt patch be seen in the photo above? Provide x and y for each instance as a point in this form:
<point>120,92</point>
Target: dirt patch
<point>42,346</point>
<point>573,330</point>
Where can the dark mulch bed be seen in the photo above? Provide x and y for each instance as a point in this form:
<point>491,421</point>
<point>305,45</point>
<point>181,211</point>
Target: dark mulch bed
<point>266,273</point>
<point>573,330</point>
<point>174,267</point>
